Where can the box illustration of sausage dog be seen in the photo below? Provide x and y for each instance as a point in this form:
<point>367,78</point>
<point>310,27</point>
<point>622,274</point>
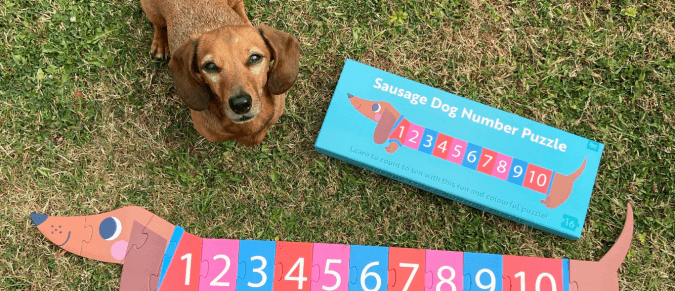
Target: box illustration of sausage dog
<point>461,149</point>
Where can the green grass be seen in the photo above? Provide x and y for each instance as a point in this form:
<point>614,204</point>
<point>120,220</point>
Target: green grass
<point>89,123</point>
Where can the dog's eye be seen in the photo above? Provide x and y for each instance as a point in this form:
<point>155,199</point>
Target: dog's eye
<point>254,59</point>
<point>210,66</point>
<point>110,228</point>
<point>376,107</point>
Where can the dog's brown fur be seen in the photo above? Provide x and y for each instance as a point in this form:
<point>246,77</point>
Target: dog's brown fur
<point>196,32</point>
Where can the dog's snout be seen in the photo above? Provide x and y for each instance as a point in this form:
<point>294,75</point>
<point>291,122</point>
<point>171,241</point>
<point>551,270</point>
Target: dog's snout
<point>241,103</point>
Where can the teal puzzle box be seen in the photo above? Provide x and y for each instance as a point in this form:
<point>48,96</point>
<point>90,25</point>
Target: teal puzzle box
<point>460,149</point>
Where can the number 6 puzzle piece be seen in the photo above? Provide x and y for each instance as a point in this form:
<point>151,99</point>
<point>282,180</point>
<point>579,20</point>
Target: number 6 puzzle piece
<point>333,267</point>
<point>370,268</point>
<point>222,256</point>
<point>256,265</point>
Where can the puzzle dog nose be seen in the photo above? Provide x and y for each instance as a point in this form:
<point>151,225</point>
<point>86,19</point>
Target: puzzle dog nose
<point>38,218</point>
<point>241,103</point>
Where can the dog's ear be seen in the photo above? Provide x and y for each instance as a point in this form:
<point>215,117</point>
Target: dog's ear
<point>286,55</point>
<point>384,126</point>
<point>191,87</point>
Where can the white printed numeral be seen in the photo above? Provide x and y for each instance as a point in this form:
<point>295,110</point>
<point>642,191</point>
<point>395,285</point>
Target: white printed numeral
<point>457,151</point>
<point>489,159</point>
<point>492,283</point>
<point>365,274</point>
<point>442,146</point>
<point>216,281</point>
<point>415,267</point>
<point>521,275</point>
<point>471,157</point>
<point>188,266</point>
<point>446,280</point>
<point>259,271</point>
<point>417,133</point>
<point>331,272</point>
<point>301,263</point>
<point>539,179</point>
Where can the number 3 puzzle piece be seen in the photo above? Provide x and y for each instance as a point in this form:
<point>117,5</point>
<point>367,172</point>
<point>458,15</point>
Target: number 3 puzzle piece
<point>256,265</point>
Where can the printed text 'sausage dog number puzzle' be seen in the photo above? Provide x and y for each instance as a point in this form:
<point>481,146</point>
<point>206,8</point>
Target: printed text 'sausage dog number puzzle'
<point>460,149</point>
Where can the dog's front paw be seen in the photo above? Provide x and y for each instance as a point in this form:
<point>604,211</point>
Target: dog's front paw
<point>392,147</point>
<point>160,45</point>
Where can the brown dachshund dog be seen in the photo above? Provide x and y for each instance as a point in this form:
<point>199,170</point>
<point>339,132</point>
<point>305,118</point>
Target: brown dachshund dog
<point>221,65</point>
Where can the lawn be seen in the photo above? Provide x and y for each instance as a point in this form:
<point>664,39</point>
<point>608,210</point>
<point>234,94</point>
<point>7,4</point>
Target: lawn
<point>90,123</point>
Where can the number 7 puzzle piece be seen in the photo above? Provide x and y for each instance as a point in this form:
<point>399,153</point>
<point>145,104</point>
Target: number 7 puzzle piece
<point>256,265</point>
<point>407,266</point>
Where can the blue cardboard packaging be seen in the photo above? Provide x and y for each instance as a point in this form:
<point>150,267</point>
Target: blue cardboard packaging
<point>460,149</point>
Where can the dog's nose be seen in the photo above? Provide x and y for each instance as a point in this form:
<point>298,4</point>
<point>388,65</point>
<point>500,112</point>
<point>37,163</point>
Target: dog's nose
<point>38,218</point>
<point>241,103</point>
<point>349,95</point>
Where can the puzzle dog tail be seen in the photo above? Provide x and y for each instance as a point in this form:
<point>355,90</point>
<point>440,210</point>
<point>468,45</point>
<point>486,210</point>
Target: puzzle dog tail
<point>104,237</point>
<point>603,275</point>
<point>562,187</point>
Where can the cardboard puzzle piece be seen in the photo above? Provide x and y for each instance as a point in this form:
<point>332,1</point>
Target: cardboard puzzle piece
<point>184,265</point>
<point>484,271</point>
<point>171,248</point>
<point>111,233</point>
<point>507,285</point>
<point>68,233</point>
<point>331,270</point>
<point>530,273</point>
<point>445,269</point>
<point>223,257</point>
<point>295,271</point>
<point>256,265</point>
<point>203,270</point>
<point>143,259</point>
<point>428,280</point>
<point>467,282</point>
<point>408,267</point>
<point>369,268</point>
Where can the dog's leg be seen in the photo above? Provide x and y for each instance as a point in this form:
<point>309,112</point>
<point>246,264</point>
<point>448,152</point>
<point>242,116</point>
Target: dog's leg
<point>160,42</point>
<point>238,7</point>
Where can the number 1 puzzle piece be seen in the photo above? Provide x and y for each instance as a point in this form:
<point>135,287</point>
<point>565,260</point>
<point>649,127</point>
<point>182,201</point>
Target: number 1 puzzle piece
<point>332,261</point>
<point>407,267</point>
<point>293,266</point>
<point>222,256</point>
<point>256,265</point>
<point>445,269</point>
<point>369,268</point>
<point>183,271</point>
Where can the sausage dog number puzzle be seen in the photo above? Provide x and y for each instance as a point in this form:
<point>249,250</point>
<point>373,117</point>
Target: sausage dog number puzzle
<point>157,255</point>
<point>461,149</point>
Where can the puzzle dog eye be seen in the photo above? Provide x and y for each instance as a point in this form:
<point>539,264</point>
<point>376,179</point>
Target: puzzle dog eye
<point>110,228</point>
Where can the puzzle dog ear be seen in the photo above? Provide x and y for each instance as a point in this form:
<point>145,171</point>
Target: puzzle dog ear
<point>190,86</point>
<point>286,55</point>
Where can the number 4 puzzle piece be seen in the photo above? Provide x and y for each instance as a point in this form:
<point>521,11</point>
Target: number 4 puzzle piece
<point>298,256</point>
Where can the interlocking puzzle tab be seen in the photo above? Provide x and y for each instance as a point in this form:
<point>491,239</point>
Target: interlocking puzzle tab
<point>460,149</point>
<point>165,257</point>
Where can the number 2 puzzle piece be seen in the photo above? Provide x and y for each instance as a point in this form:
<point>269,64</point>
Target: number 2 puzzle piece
<point>407,267</point>
<point>528,273</point>
<point>183,271</point>
<point>445,270</point>
<point>293,266</point>
<point>483,272</point>
<point>369,268</point>
<point>332,273</point>
<point>256,265</point>
<point>414,136</point>
<point>222,256</point>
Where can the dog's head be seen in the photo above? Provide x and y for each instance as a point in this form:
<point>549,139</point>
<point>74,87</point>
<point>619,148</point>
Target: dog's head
<point>227,71</point>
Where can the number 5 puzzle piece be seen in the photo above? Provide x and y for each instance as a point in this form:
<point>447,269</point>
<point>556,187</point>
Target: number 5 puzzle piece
<point>369,268</point>
<point>332,261</point>
<point>256,265</point>
<point>183,271</point>
<point>407,267</point>
<point>222,256</point>
<point>294,266</point>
